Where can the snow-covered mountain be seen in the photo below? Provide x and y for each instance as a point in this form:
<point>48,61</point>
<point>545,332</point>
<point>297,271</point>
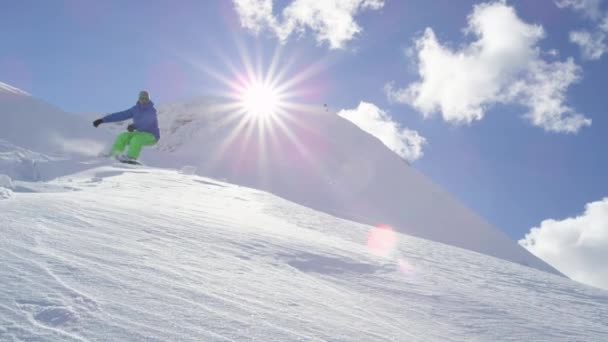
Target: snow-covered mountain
<point>36,125</point>
<point>40,141</point>
<point>141,254</point>
<point>322,161</point>
<point>313,157</point>
<point>92,250</point>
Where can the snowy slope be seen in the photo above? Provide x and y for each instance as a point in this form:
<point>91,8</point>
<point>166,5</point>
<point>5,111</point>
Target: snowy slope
<point>36,125</point>
<point>115,254</point>
<point>39,141</point>
<point>322,161</point>
<point>314,158</point>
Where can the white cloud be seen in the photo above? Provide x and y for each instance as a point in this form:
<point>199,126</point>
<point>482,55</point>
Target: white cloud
<point>255,14</point>
<point>331,21</point>
<point>604,24</point>
<point>405,142</point>
<point>590,8</point>
<point>502,66</point>
<point>592,43</point>
<point>543,91</point>
<point>578,247</point>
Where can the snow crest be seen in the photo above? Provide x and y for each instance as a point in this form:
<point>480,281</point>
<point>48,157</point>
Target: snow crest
<point>5,88</point>
<point>6,182</point>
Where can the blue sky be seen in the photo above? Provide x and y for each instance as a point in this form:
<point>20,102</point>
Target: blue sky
<point>94,56</point>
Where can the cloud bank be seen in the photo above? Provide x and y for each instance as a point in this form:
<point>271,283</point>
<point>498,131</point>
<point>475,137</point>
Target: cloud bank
<point>577,247</point>
<point>503,65</point>
<point>405,142</point>
<point>331,21</point>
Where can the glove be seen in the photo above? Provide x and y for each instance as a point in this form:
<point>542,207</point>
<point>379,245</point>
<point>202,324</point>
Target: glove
<point>97,122</point>
<point>131,128</point>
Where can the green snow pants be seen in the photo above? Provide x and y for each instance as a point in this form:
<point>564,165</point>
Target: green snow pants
<point>136,141</point>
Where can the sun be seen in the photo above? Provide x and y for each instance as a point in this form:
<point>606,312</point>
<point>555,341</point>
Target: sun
<point>263,108</point>
<point>260,100</point>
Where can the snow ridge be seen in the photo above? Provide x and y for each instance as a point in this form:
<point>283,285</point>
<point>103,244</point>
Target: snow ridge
<point>11,90</point>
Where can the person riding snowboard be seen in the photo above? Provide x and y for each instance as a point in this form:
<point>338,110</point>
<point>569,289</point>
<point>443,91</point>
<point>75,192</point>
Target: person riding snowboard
<point>143,131</point>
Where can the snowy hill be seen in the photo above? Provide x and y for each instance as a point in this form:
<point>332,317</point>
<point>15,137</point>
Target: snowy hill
<point>95,251</point>
<point>113,254</point>
<point>322,161</point>
<point>314,158</point>
<point>36,125</point>
<point>40,141</point>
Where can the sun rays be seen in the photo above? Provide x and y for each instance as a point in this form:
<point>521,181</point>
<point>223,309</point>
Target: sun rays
<point>263,109</point>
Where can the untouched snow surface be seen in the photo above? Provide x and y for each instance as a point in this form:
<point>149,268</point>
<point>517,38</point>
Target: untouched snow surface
<point>122,253</point>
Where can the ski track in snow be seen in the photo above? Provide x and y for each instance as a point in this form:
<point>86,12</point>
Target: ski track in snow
<point>140,254</point>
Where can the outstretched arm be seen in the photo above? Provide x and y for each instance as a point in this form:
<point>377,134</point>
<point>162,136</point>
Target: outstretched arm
<point>119,116</point>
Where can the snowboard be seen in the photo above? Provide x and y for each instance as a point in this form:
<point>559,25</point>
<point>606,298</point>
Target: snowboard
<point>130,162</point>
<point>120,159</point>
<point>124,160</point>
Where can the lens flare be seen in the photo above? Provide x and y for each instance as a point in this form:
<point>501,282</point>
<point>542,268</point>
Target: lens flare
<point>405,266</point>
<point>381,241</point>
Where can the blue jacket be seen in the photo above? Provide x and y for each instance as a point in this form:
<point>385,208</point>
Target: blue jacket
<point>144,118</point>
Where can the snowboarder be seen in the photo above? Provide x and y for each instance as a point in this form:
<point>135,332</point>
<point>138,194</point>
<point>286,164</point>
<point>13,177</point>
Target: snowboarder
<point>143,131</point>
